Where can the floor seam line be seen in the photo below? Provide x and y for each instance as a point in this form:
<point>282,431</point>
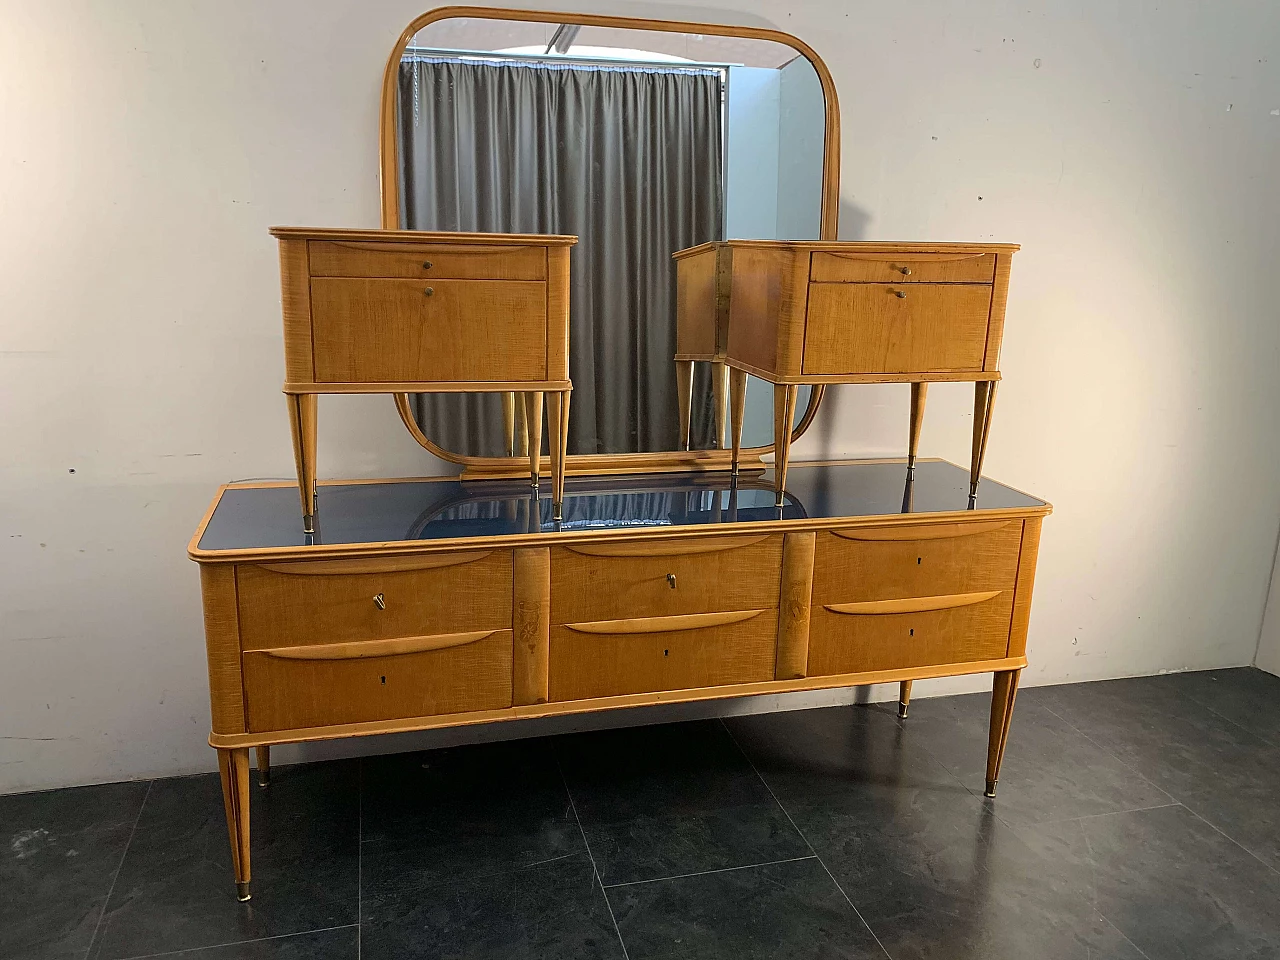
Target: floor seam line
<point>1108,813</point>
<point>1124,935</point>
<point>106,902</point>
<point>796,827</point>
<point>237,943</point>
<point>595,870</point>
<point>1115,756</point>
<point>704,873</point>
<point>1218,829</point>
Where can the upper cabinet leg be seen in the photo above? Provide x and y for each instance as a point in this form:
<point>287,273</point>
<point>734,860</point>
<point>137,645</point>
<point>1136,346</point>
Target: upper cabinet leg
<point>737,409</point>
<point>533,423</point>
<point>558,434</point>
<point>984,399</point>
<point>720,387</point>
<point>302,424</point>
<point>684,398</point>
<point>509,423</point>
<point>784,415</point>
<point>918,393</point>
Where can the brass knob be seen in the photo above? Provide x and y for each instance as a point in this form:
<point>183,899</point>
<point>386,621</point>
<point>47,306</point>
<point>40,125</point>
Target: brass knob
<point>429,292</point>
<point>671,580</point>
<point>380,601</point>
<point>905,271</point>
<point>900,294</point>
<point>426,264</point>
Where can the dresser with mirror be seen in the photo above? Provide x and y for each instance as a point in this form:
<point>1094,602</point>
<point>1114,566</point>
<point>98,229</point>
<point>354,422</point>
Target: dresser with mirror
<point>659,574</point>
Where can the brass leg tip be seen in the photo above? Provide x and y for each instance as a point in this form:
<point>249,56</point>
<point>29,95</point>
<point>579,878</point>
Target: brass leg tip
<point>991,789</point>
<point>264,779</point>
<point>533,481</point>
<point>242,891</point>
<point>308,523</point>
<point>902,710</point>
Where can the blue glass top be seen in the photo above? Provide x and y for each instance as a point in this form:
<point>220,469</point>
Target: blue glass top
<point>251,518</point>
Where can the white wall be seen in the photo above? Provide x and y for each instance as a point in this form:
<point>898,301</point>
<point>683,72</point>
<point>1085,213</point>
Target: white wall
<point>145,147</point>
<point>1268,655</point>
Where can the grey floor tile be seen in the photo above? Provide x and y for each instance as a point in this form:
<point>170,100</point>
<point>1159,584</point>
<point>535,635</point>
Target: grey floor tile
<point>342,943</point>
<point>1175,886</point>
<point>931,868</point>
<point>59,852</point>
<point>790,910</point>
<point>1051,771</point>
<point>176,889</point>
<point>469,811</point>
<point>1246,695</point>
<point>1211,764</point>
<point>549,911</point>
<point>669,800</point>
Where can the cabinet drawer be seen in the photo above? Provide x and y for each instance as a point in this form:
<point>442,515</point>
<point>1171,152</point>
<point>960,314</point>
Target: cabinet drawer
<point>614,657</point>
<point>369,331</point>
<point>319,685</point>
<point>882,563</point>
<point>656,578</point>
<point>456,261</point>
<point>851,638</point>
<point>334,601</point>
<point>896,328</point>
<point>902,267</point>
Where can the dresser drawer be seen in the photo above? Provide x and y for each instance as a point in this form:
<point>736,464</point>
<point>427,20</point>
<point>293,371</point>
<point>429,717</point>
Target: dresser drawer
<point>319,685</point>
<point>916,632</point>
<point>902,267</point>
<point>446,261</point>
<point>896,328</point>
<point>884,563</point>
<point>369,331</point>
<point>614,657</point>
<point>335,601</point>
<point>656,578</point>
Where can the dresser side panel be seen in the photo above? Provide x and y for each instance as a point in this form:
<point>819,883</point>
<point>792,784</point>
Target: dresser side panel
<point>295,302</point>
<point>1020,622</point>
<point>557,313</point>
<point>999,299</point>
<point>222,645</point>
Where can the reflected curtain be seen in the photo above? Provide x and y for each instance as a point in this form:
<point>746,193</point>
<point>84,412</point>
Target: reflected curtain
<point>626,158</point>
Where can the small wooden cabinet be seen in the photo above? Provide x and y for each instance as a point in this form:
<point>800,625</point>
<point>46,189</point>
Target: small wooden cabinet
<point>713,594</point>
<point>395,311</point>
<point>793,312</point>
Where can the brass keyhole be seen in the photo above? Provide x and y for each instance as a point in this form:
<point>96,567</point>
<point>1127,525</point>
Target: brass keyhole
<point>905,271</point>
<point>900,294</point>
<point>380,601</point>
<point>671,580</point>
<point>429,292</point>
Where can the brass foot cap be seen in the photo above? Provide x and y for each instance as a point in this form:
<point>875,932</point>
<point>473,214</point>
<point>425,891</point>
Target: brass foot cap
<point>902,710</point>
<point>991,789</point>
<point>264,780</point>
<point>242,891</point>
<point>308,523</point>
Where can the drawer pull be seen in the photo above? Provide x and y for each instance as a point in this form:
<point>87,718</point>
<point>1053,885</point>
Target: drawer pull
<point>671,580</point>
<point>910,604</point>
<point>429,291</point>
<point>663,548</point>
<point>934,531</point>
<point>901,294</point>
<point>330,568</point>
<point>361,649</point>
<point>689,621</point>
<point>905,271</point>
<point>426,264</point>
<point>380,601</point>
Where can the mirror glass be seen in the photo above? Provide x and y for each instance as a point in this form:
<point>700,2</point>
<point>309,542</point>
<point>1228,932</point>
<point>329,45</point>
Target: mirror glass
<point>642,143</point>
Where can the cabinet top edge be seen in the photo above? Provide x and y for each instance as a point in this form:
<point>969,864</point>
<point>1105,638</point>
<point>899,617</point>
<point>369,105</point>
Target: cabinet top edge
<point>852,246</point>
<point>422,236</point>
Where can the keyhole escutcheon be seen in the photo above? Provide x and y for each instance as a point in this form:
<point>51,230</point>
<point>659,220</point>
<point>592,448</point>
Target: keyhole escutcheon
<point>380,601</point>
<point>671,580</point>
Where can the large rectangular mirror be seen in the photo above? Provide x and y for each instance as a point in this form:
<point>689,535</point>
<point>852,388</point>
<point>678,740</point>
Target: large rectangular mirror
<point>642,143</point>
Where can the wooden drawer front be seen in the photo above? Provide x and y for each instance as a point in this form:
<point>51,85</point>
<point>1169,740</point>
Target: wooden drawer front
<point>883,563</point>
<point>316,686</point>
<point>902,267</point>
<point>958,629</point>
<point>333,601</point>
<point>369,331</point>
<point>659,578</point>
<point>611,658</point>
<point>896,328</point>
<point>460,261</point>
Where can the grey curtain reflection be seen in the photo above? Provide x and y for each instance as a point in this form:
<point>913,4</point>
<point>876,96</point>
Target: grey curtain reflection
<point>629,160</point>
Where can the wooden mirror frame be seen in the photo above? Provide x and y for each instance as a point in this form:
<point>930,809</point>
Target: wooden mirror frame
<point>388,156</point>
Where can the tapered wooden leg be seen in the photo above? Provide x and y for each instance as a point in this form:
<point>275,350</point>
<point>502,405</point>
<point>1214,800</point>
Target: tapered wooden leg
<point>984,400</point>
<point>904,698</point>
<point>521,447</point>
<point>1004,691</point>
<point>918,393</point>
<point>302,424</point>
<point>737,410</point>
<point>509,423</point>
<point>558,435</point>
<point>684,398</point>
<point>233,765</point>
<point>784,415</point>
<point>720,387</point>
<point>533,424</point>
<point>264,765</point>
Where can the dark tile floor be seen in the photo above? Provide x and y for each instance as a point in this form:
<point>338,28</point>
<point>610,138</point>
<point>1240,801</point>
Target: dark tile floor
<point>1136,818</point>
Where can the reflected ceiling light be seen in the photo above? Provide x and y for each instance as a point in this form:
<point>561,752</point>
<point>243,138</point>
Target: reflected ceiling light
<point>563,38</point>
